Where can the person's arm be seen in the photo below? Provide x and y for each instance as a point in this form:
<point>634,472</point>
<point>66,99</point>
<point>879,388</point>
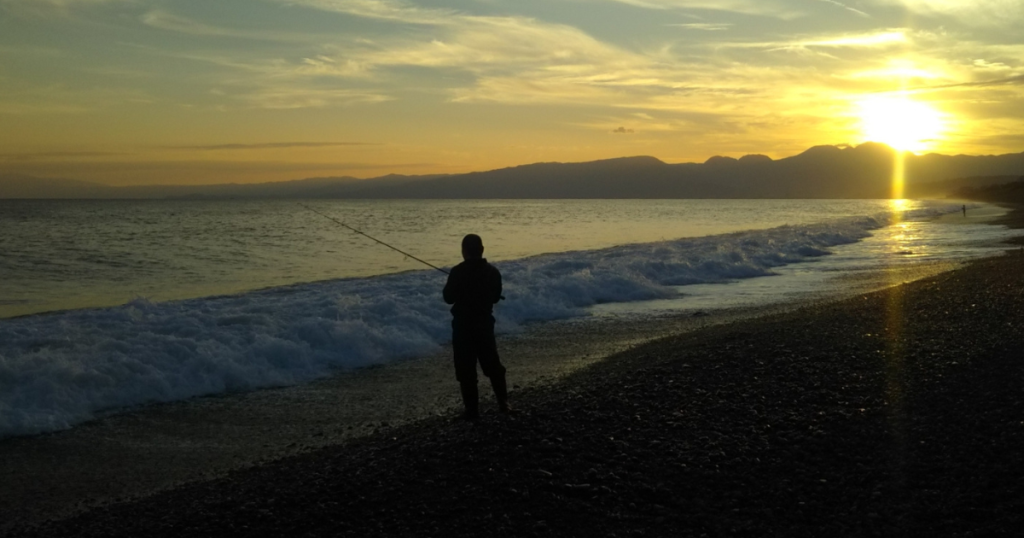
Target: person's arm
<point>450,287</point>
<point>495,286</point>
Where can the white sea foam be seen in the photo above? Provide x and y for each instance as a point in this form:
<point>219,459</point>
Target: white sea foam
<point>58,370</point>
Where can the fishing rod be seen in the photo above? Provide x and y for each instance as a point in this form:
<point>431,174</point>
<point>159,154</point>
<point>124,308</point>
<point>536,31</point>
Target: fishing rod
<point>400,251</point>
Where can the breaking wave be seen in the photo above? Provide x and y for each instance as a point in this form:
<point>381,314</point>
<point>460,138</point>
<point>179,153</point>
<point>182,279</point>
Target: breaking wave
<point>61,369</point>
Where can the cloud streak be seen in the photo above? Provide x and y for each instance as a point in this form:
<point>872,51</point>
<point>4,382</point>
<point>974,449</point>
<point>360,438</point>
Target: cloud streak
<point>706,26</point>
<point>61,4</point>
<point>1007,81</point>
<point>386,10</point>
<point>164,172</point>
<point>977,13</point>
<point>64,3</point>
<point>847,8</point>
<point>512,59</point>
<point>164,20</point>
<point>297,96</point>
<point>20,99</point>
<point>53,7</point>
<point>765,8</point>
<point>54,155</point>
<point>878,39</point>
<point>273,145</point>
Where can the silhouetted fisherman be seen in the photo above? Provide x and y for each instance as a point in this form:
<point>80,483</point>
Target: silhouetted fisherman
<point>473,287</point>
<point>964,208</point>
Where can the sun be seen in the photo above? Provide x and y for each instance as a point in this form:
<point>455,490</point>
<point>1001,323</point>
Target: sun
<point>900,122</point>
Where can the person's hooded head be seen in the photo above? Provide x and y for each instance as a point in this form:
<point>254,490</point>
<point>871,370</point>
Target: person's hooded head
<point>472,247</point>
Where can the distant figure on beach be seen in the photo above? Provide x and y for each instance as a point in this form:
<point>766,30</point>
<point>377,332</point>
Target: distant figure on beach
<point>964,209</point>
<point>473,287</point>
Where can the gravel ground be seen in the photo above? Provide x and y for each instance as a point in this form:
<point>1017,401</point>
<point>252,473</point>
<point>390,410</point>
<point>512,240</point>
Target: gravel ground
<point>896,413</point>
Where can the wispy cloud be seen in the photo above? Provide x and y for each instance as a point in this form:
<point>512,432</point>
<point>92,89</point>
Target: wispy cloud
<point>861,40</point>
<point>156,172</point>
<point>706,26</point>
<point>276,83</point>
<point>27,108</point>
<point>285,97</point>
<point>846,7</point>
<point>1006,81</point>
<point>164,20</point>
<point>534,88</point>
<point>51,7</point>
<point>324,65</point>
<point>55,155</point>
<point>24,99</point>
<point>990,66</point>
<point>388,10</point>
<point>64,3</point>
<point>23,50</point>
<point>764,8</point>
<point>512,59</point>
<point>900,69</point>
<point>865,40</point>
<point>971,13</point>
<point>463,40</point>
<point>273,145</point>
<point>499,42</point>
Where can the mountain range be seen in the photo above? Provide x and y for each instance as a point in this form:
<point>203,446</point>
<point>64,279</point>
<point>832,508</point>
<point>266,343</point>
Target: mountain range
<point>863,171</point>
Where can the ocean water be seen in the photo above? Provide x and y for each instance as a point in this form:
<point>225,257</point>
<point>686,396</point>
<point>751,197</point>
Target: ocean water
<point>158,301</point>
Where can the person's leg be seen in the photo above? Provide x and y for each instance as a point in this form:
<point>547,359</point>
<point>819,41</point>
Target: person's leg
<point>487,351</point>
<point>500,387</point>
<point>464,352</point>
<point>470,399</point>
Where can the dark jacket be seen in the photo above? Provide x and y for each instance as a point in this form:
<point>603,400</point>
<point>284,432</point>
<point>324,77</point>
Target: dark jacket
<point>473,287</point>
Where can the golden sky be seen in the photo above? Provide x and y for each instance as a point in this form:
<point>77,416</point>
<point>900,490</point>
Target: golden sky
<point>199,91</point>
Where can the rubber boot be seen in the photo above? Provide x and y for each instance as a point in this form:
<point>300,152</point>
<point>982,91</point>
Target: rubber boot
<point>471,400</point>
<point>500,392</point>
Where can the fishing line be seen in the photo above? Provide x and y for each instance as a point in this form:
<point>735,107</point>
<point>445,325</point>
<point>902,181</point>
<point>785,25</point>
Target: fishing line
<point>400,251</point>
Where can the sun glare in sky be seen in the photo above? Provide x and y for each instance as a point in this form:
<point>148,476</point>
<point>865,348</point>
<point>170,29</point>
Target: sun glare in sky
<point>900,122</point>
<point>127,92</point>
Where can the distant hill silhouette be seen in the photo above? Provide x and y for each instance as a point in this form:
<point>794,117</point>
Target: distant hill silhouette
<point>20,186</point>
<point>863,171</point>
<point>1010,191</point>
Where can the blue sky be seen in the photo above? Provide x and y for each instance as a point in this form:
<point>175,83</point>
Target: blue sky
<point>181,91</point>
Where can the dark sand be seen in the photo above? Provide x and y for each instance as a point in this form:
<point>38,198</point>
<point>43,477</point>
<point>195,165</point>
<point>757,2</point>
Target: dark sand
<point>896,413</point>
